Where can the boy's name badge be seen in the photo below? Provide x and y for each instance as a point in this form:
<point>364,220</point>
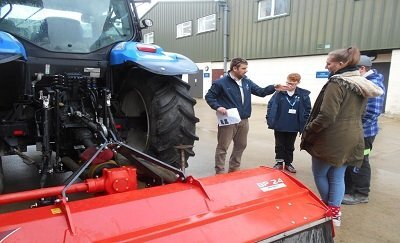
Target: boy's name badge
<point>292,111</point>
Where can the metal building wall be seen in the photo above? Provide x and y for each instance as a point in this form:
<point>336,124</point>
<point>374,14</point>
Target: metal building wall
<point>314,27</point>
<point>199,47</point>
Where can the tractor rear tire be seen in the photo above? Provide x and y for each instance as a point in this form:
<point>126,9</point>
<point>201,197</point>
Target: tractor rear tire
<point>161,111</point>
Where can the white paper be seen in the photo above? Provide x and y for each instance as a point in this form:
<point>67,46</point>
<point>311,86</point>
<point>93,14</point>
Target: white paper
<point>231,118</point>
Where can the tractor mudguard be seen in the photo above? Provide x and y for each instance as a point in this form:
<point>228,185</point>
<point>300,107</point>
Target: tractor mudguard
<point>152,58</point>
<point>10,48</point>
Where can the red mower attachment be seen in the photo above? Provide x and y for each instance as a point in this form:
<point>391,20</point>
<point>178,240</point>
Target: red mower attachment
<point>113,181</point>
<point>260,204</point>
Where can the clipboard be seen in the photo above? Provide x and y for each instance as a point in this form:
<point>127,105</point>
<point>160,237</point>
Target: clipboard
<point>231,118</point>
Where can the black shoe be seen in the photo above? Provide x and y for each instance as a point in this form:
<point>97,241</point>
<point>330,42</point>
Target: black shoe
<point>278,166</point>
<point>290,168</point>
<point>353,199</point>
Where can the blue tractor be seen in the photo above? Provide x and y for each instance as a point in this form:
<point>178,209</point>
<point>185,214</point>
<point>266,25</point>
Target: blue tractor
<point>75,74</point>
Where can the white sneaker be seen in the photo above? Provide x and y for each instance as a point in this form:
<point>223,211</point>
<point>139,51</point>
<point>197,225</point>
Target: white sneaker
<point>336,220</point>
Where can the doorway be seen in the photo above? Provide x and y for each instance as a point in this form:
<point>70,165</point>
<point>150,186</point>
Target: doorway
<point>196,84</point>
<point>217,74</point>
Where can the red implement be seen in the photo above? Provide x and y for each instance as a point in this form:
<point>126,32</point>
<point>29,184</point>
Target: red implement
<point>245,206</point>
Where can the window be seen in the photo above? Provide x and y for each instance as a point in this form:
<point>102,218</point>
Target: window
<point>184,29</point>
<point>69,26</point>
<point>206,23</point>
<point>148,38</point>
<point>272,8</point>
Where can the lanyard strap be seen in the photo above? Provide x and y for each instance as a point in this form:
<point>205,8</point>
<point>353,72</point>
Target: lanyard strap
<point>296,98</point>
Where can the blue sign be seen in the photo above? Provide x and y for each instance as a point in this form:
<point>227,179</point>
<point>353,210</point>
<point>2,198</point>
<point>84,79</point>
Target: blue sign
<point>322,74</point>
<point>206,75</point>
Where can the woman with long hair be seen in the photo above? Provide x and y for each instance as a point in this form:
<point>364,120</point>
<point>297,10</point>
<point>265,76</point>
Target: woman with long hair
<point>333,135</point>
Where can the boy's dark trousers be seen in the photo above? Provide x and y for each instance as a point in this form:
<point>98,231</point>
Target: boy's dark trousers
<point>358,180</point>
<point>284,146</point>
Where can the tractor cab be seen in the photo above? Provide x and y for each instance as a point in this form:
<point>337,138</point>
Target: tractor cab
<point>70,26</point>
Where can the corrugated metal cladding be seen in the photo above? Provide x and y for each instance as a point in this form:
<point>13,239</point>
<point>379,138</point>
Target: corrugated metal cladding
<point>311,27</point>
<point>314,27</point>
<point>199,47</point>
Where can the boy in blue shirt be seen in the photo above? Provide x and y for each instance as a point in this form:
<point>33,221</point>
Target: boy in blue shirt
<point>287,114</point>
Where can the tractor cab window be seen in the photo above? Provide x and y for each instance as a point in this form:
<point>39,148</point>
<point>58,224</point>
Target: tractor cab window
<point>75,26</point>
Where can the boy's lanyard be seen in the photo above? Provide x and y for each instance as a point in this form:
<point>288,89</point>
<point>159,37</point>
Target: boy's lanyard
<point>296,98</point>
<point>292,110</point>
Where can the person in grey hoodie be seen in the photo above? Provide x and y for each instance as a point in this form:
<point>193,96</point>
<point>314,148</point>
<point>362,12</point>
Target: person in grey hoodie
<point>333,135</point>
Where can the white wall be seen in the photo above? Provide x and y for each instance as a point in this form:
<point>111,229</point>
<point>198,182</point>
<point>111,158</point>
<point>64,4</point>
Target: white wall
<point>206,81</point>
<point>270,71</point>
<point>393,97</point>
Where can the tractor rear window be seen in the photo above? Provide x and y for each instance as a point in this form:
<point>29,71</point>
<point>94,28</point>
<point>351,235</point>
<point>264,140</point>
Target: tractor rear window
<point>76,26</point>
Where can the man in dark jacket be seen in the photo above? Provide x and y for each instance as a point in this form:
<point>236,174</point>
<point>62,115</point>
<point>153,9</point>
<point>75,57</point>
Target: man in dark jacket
<point>358,179</point>
<point>287,114</point>
<point>234,91</point>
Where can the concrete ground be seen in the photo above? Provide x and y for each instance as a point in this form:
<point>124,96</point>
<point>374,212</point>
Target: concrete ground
<point>376,221</point>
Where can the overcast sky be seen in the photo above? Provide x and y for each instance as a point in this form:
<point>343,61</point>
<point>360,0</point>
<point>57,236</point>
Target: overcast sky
<point>142,8</point>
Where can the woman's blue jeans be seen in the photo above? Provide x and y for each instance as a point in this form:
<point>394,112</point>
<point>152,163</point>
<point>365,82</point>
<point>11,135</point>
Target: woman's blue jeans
<point>329,181</point>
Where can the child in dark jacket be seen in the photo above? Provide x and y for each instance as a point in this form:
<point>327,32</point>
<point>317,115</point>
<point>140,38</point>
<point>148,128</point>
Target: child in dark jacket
<point>287,114</point>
